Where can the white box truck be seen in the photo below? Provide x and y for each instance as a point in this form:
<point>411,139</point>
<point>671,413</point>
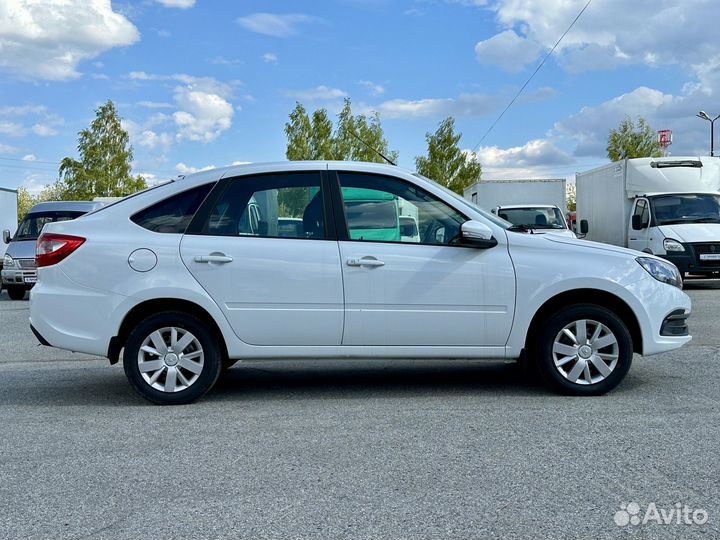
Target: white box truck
<point>536,204</point>
<point>667,206</point>
<point>8,216</point>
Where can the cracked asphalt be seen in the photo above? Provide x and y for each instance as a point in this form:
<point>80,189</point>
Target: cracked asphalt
<point>356,450</point>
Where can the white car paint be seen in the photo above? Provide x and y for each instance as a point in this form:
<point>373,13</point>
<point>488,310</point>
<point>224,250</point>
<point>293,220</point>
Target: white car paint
<point>281,298</point>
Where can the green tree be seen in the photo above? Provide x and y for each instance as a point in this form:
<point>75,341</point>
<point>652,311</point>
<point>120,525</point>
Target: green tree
<point>571,197</point>
<point>51,192</point>
<point>631,141</point>
<point>103,169</point>
<point>355,138</point>
<point>298,131</point>
<point>445,162</point>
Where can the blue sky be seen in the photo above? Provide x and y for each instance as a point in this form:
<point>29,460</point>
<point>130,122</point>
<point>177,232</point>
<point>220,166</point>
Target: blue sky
<point>204,83</point>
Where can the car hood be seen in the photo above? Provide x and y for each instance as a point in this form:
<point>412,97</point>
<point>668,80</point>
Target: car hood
<point>575,243</point>
<point>24,249</point>
<point>692,232</point>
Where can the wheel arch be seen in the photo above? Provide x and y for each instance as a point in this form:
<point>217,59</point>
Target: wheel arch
<point>157,305</point>
<point>586,296</point>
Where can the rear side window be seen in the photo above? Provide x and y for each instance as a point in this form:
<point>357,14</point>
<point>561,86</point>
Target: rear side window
<point>172,215</point>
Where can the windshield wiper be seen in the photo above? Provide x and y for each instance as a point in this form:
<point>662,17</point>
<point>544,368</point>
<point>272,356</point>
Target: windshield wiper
<point>520,228</point>
<point>707,220</point>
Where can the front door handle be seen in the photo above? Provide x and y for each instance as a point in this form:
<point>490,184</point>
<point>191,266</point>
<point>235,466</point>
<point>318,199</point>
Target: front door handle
<point>365,261</point>
<point>219,258</point>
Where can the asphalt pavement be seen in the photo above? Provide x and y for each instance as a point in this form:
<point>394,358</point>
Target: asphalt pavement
<point>359,450</point>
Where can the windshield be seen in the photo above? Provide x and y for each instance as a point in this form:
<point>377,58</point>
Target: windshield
<point>686,208</point>
<point>32,225</point>
<point>472,206</point>
<point>534,218</point>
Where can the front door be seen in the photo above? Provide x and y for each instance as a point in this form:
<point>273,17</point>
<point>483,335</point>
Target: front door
<point>639,226</point>
<point>418,290</point>
<point>266,253</point>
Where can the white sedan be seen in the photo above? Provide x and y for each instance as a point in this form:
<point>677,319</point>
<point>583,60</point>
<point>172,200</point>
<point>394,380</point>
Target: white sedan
<point>312,260</point>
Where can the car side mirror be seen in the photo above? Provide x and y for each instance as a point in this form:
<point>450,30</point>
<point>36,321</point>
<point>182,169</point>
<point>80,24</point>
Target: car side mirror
<point>6,236</point>
<point>636,223</point>
<point>477,234</point>
<point>584,227</point>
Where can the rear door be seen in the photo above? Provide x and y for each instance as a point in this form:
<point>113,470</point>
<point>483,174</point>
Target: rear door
<point>277,286</point>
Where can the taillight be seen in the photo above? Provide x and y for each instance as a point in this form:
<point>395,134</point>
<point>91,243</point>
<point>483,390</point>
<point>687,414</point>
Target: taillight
<point>53,248</point>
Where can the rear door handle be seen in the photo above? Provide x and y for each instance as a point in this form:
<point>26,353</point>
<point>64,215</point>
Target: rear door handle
<point>365,261</point>
<point>213,258</point>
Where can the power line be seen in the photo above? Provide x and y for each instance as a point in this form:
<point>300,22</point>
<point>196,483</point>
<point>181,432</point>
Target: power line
<point>531,77</point>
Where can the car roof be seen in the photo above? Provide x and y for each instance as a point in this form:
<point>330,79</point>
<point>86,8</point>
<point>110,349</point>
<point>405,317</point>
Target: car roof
<point>518,206</point>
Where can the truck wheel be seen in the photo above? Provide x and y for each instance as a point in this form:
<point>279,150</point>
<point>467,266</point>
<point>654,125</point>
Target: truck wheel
<point>171,358</point>
<point>15,292</point>
<point>584,350</point>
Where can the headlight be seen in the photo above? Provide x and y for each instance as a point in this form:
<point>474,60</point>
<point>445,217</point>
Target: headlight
<point>8,262</point>
<point>672,245</point>
<point>661,270</point>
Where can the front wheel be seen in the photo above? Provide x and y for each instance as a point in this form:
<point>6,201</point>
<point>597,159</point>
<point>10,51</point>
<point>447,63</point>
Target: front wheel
<point>171,358</point>
<point>15,292</point>
<point>584,350</point>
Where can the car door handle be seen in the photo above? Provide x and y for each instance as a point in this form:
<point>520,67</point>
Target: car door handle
<point>213,258</point>
<point>365,261</point>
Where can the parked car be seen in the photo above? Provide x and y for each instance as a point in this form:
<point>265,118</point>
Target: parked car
<point>180,281</point>
<point>18,269</point>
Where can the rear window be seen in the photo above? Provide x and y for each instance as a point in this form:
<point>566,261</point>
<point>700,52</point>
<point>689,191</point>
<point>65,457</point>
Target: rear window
<point>173,215</point>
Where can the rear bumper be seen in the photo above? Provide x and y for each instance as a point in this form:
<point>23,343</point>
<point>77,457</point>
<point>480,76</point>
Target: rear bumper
<point>68,316</point>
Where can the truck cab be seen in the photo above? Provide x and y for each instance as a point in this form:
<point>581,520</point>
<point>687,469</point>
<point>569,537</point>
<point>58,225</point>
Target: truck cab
<point>19,272</point>
<point>538,218</point>
<point>683,228</point>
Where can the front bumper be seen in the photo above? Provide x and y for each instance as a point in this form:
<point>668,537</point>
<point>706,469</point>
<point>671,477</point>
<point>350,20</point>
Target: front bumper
<point>698,258</point>
<point>15,276</point>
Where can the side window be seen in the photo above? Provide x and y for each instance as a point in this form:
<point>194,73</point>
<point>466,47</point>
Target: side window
<point>172,215</point>
<point>641,210</point>
<point>384,209</point>
<point>272,206</point>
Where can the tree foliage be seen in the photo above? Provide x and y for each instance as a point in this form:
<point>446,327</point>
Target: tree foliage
<point>103,169</point>
<point>445,162</point>
<point>51,192</point>
<point>631,141</point>
<point>355,138</point>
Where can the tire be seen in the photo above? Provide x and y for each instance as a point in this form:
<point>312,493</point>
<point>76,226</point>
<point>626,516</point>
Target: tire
<point>15,292</point>
<point>607,343</point>
<point>169,374</point>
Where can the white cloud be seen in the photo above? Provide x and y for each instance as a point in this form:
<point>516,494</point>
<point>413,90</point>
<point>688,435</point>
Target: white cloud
<point>99,76</point>
<point>222,61</point>
<point>609,34</point>
<point>270,24</point>
<point>182,4</point>
<point>12,129</point>
<point>203,116</point>
<point>374,89</point>
<point>29,157</point>
<point>48,39</point>
<point>319,93</point>
<point>7,149</point>
<point>181,168</point>
<point>507,51</point>
<point>462,106</point>
<point>44,130</point>
<point>154,104</point>
<point>538,152</point>
<point>270,58</point>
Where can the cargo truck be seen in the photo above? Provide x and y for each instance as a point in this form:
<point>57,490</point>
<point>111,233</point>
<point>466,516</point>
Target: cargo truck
<point>8,218</point>
<point>668,206</point>
<point>534,204</point>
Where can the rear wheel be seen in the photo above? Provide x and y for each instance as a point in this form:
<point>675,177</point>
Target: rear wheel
<point>15,292</point>
<point>171,358</point>
<point>584,350</point>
